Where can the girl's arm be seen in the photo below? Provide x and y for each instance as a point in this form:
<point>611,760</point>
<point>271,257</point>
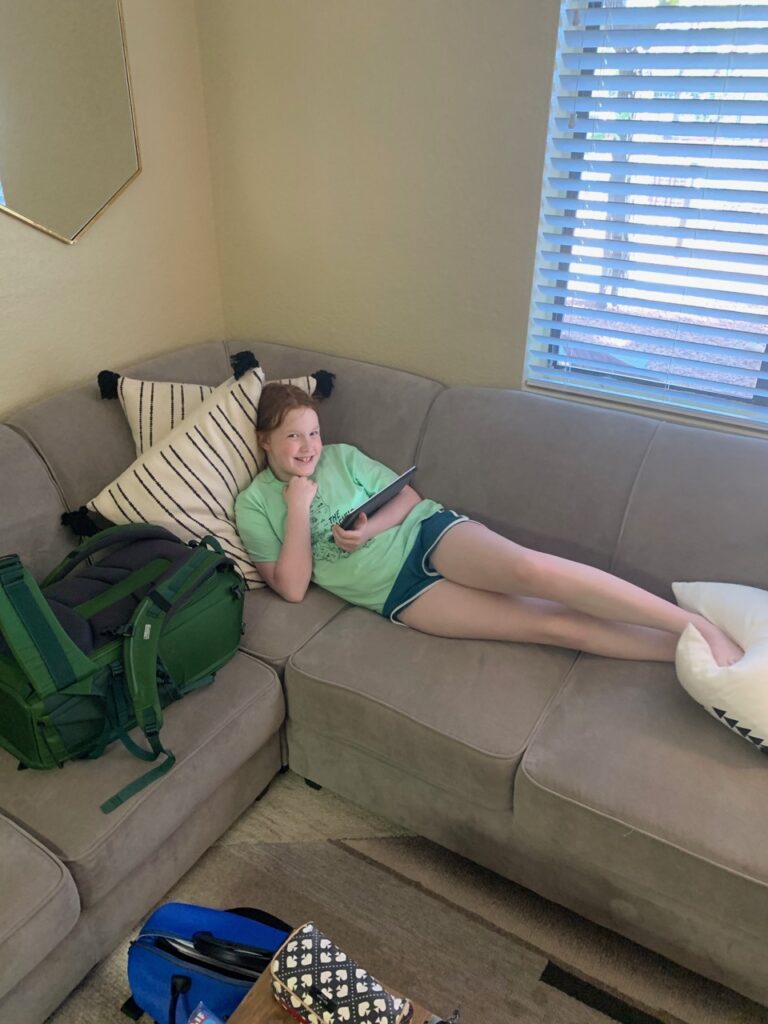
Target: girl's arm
<point>289,576</point>
<point>389,515</point>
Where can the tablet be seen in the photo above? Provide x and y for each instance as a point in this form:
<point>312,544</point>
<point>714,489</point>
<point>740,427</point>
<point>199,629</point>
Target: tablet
<point>374,504</point>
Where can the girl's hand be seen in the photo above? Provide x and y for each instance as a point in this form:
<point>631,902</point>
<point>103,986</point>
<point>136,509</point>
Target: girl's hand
<point>299,492</point>
<point>351,540</point>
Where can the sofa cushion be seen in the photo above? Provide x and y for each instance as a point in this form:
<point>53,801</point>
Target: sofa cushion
<point>455,713</point>
<point>85,441</point>
<point>30,508</point>
<point>39,907</point>
<point>696,511</point>
<point>376,408</point>
<point>212,732</point>
<point>625,744</point>
<point>275,629</point>
<point>532,467</point>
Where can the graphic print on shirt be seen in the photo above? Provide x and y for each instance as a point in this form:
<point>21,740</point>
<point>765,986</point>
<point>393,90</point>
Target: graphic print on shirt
<point>324,548</point>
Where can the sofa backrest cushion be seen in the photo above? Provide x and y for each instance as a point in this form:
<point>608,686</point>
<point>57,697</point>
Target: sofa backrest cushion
<point>651,501</point>
<point>548,473</point>
<point>30,507</point>
<point>86,441</point>
<point>380,410</point>
<point>698,511</point>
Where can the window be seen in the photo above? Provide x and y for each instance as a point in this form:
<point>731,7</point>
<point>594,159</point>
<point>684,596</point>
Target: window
<point>651,281</point>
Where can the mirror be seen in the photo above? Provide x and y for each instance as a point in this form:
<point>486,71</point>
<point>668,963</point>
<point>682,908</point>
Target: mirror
<point>67,135</point>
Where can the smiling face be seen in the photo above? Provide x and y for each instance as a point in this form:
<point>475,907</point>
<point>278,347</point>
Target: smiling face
<point>294,447</point>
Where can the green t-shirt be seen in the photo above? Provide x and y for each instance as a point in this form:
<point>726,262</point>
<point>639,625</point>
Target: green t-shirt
<point>345,479</point>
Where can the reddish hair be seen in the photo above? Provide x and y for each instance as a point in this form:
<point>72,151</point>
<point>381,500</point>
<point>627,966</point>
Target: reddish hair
<point>276,401</point>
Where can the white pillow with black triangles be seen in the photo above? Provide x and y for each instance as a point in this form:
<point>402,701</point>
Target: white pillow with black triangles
<point>154,408</point>
<point>189,480</point>
<point>736,695</point>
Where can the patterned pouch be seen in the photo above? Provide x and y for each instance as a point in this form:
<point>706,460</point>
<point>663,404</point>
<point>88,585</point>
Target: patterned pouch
<point>319,984</point>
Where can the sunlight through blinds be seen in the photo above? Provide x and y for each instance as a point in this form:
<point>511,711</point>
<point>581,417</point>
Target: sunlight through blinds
<point>651,281</point>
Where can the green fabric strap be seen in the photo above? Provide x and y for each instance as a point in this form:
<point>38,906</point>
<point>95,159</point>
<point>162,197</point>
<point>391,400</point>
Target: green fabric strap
<point>25,651</point>
<point>197,684</point>
<point>138,784</point>
<point>118,712</point>
<point>118,591</point>
<point>133,748</point>
<point>48,657</point>
<point>50,736</point>
<point>141,648</point>
<point>114,536</point>
<point>142,667</point>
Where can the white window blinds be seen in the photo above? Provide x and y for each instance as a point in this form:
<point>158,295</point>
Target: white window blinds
<point>651,280</point>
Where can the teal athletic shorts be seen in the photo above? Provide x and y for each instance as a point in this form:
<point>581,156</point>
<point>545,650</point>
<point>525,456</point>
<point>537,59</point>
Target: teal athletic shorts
<point>418,574</point>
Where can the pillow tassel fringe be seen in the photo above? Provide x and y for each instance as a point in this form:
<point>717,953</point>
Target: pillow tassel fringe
<point>108,383</point>
<point>324,383</point>
<point>80,522</point>
<point>241,362</point>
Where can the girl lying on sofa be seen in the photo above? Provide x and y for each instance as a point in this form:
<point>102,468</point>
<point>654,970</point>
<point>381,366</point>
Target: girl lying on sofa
<point>427,567</point>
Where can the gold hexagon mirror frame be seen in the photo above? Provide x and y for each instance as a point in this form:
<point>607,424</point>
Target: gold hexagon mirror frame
<point>68,139</point>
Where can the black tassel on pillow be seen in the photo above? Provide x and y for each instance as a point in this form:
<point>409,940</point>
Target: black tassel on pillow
<point>108,383</point>
<point>324,385</point>
<point>242,362</point>
<point>80,522</point>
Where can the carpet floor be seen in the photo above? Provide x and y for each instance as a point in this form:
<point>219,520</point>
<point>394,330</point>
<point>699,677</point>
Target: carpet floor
<point>431,924</point>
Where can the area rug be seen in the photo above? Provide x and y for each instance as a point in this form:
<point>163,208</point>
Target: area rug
<point>652,985</point>
<point>426,922</point>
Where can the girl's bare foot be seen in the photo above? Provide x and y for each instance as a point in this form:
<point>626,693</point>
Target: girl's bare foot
<point>724,650</point>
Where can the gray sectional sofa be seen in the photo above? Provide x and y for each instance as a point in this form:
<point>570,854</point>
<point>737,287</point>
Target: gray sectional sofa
<point>597,783</point>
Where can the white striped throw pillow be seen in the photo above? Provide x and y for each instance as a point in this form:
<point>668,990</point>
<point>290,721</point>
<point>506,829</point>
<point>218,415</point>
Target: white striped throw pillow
<point>189,480</point>
<point>154,408</point>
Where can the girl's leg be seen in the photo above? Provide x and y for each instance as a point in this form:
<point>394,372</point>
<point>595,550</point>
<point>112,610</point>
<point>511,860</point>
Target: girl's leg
<point>449,609</point>
<point>474,556</point>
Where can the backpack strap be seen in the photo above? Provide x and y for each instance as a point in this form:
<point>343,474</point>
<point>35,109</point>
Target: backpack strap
<point>141,648</point>
<point>112,537</point>
<point>46,654</point>
<point>140,659</point>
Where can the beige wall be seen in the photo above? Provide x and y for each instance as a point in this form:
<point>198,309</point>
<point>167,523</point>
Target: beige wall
<point>66,132</point>
<point>376,169</point>
<point>144,277</point>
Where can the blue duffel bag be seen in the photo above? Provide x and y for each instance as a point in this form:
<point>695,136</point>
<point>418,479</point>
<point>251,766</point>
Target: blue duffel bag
<point>186,955</point>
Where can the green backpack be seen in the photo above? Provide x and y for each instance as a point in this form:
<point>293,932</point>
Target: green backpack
<point>91,655</point>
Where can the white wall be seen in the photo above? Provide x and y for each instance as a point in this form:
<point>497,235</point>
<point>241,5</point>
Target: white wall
<point>144,277</point>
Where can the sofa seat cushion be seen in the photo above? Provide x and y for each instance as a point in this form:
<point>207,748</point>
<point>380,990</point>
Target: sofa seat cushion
<point>212,732</point>
<point>626,744</point>
<point>275,629</point>
<point>39,907</point>
<point>455,713</point>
